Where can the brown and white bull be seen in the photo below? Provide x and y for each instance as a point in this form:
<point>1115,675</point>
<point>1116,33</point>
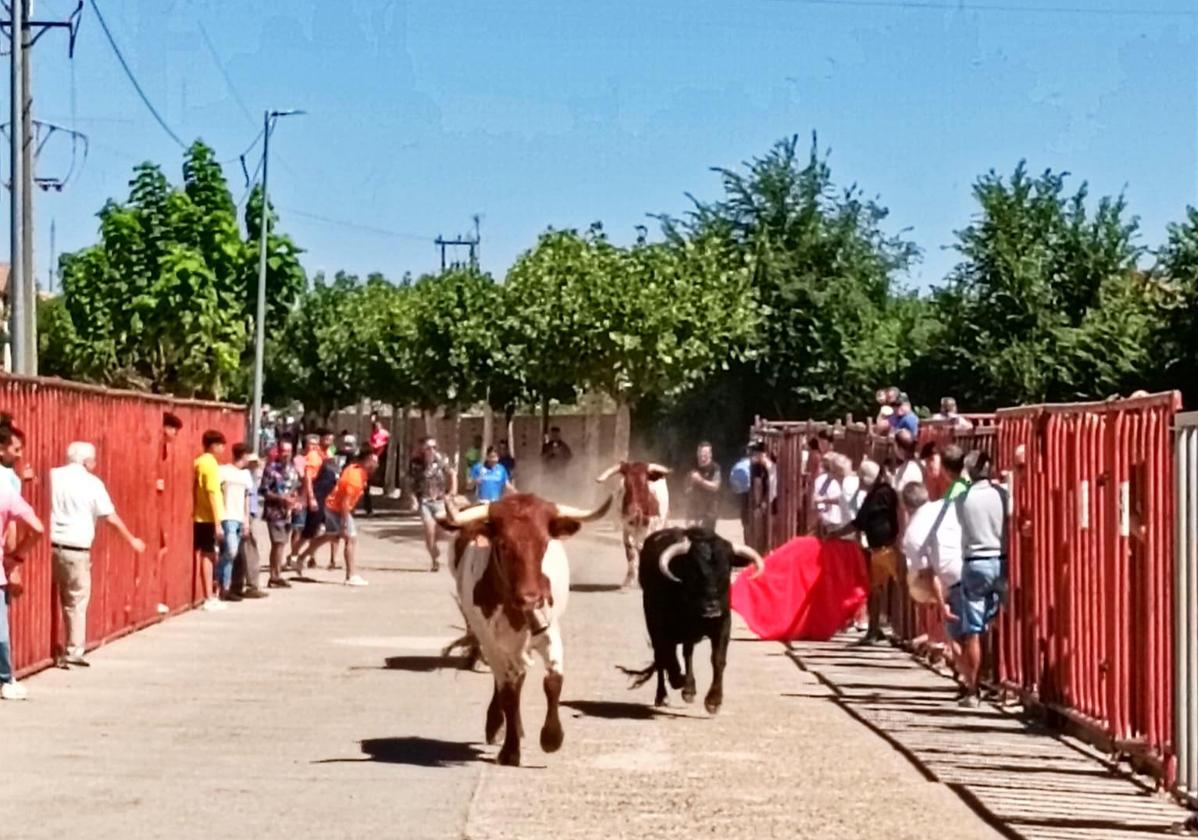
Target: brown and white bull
<point>513,581</point>
<point>644,505</point>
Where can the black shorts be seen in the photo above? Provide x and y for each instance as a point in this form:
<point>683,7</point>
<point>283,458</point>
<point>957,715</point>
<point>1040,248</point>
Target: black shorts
<point>203,537</point>
<point>313,524</point>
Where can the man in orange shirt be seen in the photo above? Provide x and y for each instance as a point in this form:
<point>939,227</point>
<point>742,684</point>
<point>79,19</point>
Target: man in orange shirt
<point>339,512</point>
<point>312,524</point>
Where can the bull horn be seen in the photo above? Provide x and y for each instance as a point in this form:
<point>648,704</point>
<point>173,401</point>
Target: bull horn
<point>478,513</point>
<point>752,556</point>
<point>608,473</point>
<point>582,515</point>
<point>669,554</point>
<point>659,468</point>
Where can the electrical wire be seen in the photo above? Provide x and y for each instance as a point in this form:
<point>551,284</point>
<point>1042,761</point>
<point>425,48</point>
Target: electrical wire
<point>356,226</point>
<point>962,6</point>
<point>133,79</point>
<point>225,73</point>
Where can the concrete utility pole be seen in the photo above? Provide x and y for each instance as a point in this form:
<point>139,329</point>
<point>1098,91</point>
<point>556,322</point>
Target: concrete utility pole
<point>28,279</point>
<point>268,120</point>
<point>18,304</point>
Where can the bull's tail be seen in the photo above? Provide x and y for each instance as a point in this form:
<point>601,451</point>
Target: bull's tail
<point>639,677</point>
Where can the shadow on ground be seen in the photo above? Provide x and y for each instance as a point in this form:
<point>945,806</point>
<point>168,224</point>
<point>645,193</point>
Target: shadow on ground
<point>414,752</point>
<point>425,663</point>
<point>611,710</point>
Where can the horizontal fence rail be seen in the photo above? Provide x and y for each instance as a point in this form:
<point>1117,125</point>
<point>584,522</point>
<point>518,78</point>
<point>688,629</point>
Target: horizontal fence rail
<point>1101,620</point>
<point>126,428</point>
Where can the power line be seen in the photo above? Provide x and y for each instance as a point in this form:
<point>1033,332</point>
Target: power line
<point>225,73</point>
<point>948,6</point>
<point>133,79</point>
<point>356,226</point>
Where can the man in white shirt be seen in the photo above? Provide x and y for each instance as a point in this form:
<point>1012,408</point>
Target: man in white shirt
<point>236,483</point>
<point>910,470</point>
<point>77,499</point>
<point>932,546</point>
<point>827,492</point>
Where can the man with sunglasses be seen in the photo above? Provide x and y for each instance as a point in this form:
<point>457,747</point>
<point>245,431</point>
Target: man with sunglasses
<point>434,479</point>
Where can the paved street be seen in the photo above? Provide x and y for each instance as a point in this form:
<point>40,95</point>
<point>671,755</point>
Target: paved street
<point>324,712</point>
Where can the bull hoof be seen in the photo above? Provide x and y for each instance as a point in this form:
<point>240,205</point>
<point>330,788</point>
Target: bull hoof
<point>551,738</point>
<point>712,706</point>
<point>660,702</point>
<point>493,735</point>
<point>688,695</point>
<point>509,758</point>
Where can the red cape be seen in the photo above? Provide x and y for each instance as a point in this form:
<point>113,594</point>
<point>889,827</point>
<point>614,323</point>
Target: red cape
<point>810,590</point>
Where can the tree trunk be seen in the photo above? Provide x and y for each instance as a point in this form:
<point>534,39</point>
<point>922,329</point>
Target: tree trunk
<point>394,447</point>
<point>590,440</point>
<point>623,429</point>
<point>488,423</point>
<point>457,446</point>
<point>544,416</point>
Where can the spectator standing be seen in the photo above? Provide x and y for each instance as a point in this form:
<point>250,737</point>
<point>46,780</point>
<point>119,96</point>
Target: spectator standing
<point>904,418</point>
<point>322,486</point>
<point>310,521</point>
<point>948,412</point>
<point>209,510</point>
<point>825,497</point>
<point>434,479</point>
<point>77,499</point>
<point>703,489</point>
<point>982,510</point>
<point>11,450</point>
<point>280,498</point>
<point>236,484</point>
<point>506,458</point>
<point>909,469</point>
<point>338,512</point>
<point>474,454</point>
<point>490,479</point>
<point>13,509</point>
<point>849,495</point>
<point>756,498</point>
<point>555,454</point>
<point>380,440</point>
<point>932,545</point>
<point>953,463</point>
<point>877,520</point>
<point>246,562</point>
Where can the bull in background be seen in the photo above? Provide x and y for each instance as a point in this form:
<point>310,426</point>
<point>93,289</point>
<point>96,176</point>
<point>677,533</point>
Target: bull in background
<point>644,506</point>
<point>512,583</point>
<point>685,578</point>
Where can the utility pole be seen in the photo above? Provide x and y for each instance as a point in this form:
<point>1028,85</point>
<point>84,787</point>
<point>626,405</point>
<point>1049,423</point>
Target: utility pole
<point>17,302</point>
<point>268,120</point>
<point>53,253</point>
<point>23,33</point>
<point>460,241</point>
<point>29,278</point>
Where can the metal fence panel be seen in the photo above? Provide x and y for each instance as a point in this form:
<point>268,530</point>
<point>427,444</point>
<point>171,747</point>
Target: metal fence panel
<point>1185,655</point>
<point>126,428</point>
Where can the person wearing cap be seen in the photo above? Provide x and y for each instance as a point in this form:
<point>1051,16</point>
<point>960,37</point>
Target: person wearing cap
<point>904,418</point>
<point>77,499</point>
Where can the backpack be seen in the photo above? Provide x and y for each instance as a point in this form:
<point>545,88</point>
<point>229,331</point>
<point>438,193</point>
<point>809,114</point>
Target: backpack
<point>739,479</point>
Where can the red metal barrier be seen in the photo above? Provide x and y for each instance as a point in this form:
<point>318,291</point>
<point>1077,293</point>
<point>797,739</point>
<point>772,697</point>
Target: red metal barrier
<point>1088,629</point>
<point>126,428</point>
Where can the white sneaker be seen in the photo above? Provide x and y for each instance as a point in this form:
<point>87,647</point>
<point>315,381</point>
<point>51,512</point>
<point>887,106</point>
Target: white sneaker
<point>13,691</point>
<point>213,605</point>
<point>357,580</point>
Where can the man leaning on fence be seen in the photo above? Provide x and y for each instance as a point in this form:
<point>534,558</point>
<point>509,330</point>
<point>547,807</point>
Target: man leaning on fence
<point>982,511</point>
<point>77,499</point>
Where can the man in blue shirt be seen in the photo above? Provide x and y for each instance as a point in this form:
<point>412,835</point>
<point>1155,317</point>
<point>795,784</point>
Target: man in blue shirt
<point>904,418</point>
<point>489,478</point>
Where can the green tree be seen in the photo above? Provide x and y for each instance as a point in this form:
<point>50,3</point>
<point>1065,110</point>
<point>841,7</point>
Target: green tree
<point>1176,280</point>
<point>1047,302</point>
<point>164,300</point>
<point>823,271</point>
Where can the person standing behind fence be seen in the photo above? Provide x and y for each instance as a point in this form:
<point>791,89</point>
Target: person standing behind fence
<point>236,484</point>
<point>77,499</point>
<point>379,440</point>
<point>904,417</point>
<point>982,510</point>
<point>209,507</point>
<point>13,509</point>
<point>877,519</point>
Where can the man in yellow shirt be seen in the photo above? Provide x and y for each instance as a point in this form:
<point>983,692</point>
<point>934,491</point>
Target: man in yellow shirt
<point>209,512</point>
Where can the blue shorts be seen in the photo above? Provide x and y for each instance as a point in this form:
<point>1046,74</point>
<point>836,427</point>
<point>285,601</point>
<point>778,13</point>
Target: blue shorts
<point>333,522</point>
<point>432,509</point>
<point>299,518</point>
<point>976,599</point>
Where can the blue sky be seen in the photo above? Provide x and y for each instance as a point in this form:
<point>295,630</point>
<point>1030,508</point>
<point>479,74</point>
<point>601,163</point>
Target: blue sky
<point>421,113</point>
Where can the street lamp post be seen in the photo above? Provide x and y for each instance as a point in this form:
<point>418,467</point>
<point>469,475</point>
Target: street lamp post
<point>260,326</point>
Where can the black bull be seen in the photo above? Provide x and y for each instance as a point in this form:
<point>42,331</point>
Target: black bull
<point>685,576</point>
